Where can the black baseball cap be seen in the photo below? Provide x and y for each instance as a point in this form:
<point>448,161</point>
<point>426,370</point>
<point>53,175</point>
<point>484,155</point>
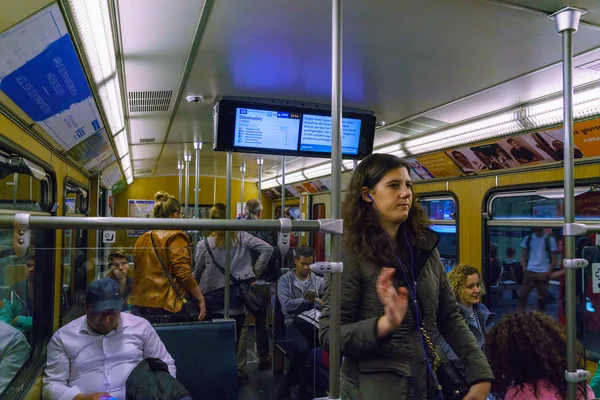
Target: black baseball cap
<point>103,294</point>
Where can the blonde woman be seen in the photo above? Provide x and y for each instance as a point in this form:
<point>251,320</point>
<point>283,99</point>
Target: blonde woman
<point>163,271</point>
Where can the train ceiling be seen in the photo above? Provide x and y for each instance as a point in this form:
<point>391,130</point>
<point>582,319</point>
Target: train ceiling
<point>419,65</point>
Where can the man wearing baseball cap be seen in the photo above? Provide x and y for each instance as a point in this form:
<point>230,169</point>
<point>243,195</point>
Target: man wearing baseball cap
<point>92,356</point>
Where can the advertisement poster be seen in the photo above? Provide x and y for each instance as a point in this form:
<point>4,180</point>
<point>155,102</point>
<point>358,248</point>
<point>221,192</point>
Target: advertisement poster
<point>417,170</point>
<point>587,137</point>
<point>439,165</point>
<point>70,204</point>
<point>139,209</point>
<point>111,175</point>
<point>95,153</point>
<point>41,73</point>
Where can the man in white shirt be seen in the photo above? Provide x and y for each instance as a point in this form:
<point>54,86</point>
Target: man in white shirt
<point>14,351</point>
<point>93,355</point>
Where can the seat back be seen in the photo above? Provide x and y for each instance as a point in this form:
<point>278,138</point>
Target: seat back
<point>278,321</point>
<point>205,357</point>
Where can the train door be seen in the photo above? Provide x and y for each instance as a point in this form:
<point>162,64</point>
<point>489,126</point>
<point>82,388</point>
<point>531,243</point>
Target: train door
<point>319,210</point>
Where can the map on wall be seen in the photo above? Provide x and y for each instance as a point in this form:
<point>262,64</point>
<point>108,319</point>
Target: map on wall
<point>139,209</point>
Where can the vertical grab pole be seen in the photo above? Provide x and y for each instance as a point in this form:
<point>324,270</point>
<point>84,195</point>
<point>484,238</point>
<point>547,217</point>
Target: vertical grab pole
<point>187,158</point>
<point>259,161</point>
<point>197,147</point>
<point>242,171</point>
<point>227,235</point>
<point>283,200</point>
<point>180,169</point>
<point>336,193</point>
<point>567,22</point>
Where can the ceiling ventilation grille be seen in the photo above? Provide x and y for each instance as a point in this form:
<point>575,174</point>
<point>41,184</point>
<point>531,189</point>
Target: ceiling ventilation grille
<point>416,126</point>
<point>147,140</point>
<point>143,171</point>
<point>593,67</point>
<point>150,101</point>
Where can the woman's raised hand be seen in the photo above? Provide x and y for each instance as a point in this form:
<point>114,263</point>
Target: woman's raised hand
<point>395,303</point>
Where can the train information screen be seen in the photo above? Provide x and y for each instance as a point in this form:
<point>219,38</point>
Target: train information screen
<point>316,134</point>
<point>303,130</point>
<point>266,129</point>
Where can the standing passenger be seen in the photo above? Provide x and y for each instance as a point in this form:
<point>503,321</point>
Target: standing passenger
<point>538,258</point>
<point>387,343</point>
<point>271,274</point>
<point>209,269</point>
<point>157,253</point>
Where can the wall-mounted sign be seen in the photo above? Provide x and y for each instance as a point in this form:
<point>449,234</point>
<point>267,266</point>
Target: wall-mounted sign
<point>41,73</point>
<point>139,209</point>
<point>119,187</point>
<point>109,237</point>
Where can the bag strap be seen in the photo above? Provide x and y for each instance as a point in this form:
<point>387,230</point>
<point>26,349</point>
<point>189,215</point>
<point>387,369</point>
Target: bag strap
<point>177,292</point>
<point>210,253</point>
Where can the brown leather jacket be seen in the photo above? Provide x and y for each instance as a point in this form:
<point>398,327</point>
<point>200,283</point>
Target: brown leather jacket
<point>151,287</point>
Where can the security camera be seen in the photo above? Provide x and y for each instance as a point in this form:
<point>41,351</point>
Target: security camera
<point>195,99</point>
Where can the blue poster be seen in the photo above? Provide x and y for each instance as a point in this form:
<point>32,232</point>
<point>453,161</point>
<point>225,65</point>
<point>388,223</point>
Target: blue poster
<point>41,73</point>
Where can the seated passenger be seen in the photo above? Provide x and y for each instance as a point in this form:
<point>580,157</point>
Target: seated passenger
<point>21,299</point>
<point>94,355</point>
<point>118,264</point>
<point>467,285</point>
<point>298,291</point>
<point>14,351</point>
<point>527,353</point>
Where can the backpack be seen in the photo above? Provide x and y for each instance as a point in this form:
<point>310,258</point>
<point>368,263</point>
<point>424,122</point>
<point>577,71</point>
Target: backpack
<point>272,271</point>
<point>546,243</point>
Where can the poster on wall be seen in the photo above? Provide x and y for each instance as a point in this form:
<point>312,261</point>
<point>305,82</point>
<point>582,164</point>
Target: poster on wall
<point>138,209</point>
<point>95,153</point>
<point>439,165</point>
<point>70,205</point>
<point>587,137</point>
<point>111,175</point>
<point>41,73</point>
<point>417,170</point>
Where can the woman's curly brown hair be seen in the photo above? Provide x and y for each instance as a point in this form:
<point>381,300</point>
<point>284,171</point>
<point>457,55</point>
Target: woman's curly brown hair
<point>526,347</point>
<point>363,235</point>
<point>458,277</point>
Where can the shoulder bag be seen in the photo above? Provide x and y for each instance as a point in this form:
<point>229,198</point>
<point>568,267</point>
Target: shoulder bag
<point>189,307</point>
<point>250,298</point>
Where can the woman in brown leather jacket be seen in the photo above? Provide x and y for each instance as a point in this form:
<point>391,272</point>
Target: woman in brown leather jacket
<point>153,296</point>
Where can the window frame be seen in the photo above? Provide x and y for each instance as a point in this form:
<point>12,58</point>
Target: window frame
<point>444,195</point>
<point>44,282</point>
<point>525,190</point>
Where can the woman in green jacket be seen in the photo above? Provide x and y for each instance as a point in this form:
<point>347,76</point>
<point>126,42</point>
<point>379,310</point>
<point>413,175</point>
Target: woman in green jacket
<point>390,258</point>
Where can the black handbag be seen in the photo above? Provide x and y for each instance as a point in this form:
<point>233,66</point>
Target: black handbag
<point>191,308</point>
<point>241,289</point>
<point>454,385</point>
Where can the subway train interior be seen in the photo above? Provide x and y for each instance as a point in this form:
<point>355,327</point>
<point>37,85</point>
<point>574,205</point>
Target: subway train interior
<point>230,101</point>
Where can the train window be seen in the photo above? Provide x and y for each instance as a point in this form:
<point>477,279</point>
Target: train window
<point>525,226</point>
<point>547,204</point>
<point>75,264</point>
<point>24,187</point>
<point>442,212</point>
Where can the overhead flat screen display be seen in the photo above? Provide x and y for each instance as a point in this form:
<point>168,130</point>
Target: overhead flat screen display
<point>266,129</point>
<point>255,127</point>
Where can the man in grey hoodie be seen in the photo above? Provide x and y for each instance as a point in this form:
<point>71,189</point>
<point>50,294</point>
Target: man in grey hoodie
<point>298,291</point>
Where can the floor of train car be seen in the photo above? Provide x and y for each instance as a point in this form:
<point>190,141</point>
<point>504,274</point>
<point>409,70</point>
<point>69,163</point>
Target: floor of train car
<point>261,385</point>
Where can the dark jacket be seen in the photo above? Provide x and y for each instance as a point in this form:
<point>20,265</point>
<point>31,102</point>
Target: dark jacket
<point>150,380</point>
<point>272,271</point>
<point>393,367</point>
<point>487,320</point>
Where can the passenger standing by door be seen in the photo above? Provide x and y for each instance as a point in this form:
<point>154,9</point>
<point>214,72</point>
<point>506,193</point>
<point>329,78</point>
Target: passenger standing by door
<point>538,258</point>
<point>163,270</point>
<point>395,294</point>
